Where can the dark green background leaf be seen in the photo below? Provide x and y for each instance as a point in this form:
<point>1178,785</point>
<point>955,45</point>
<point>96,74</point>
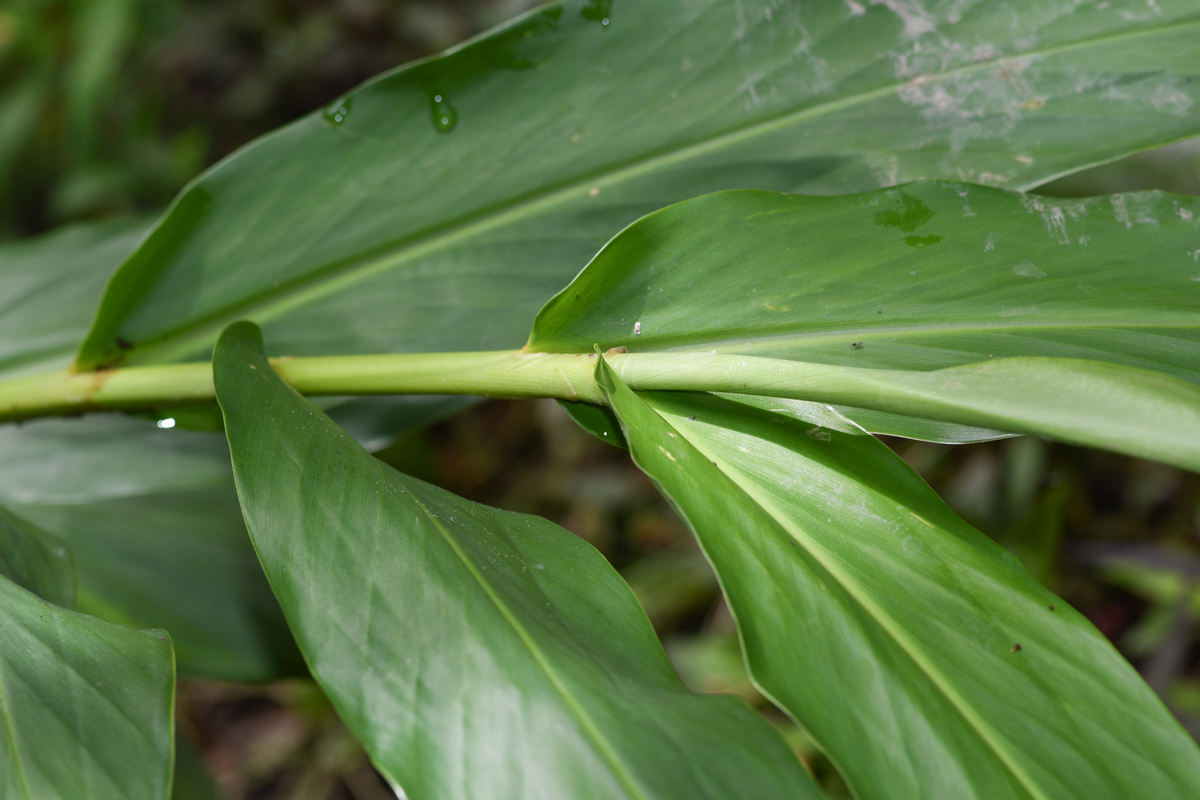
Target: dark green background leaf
<point>37,561</point>
<point>153,520</point>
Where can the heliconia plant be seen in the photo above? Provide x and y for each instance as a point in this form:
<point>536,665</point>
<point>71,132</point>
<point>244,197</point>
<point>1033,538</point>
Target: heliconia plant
<point>798,225</point>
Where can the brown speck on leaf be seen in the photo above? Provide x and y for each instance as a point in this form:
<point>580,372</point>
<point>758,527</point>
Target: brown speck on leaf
<point>1016,648</point>
<point>124,344</point>
<point>693,419</point>
<point>1050,607</point>
<point>856,345</point>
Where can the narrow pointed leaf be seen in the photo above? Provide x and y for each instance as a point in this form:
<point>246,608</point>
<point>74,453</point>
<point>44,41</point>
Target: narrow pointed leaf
<point>86,707</point>
<point>437,206</point>
<point>921,656</point>
<point>476,653</point>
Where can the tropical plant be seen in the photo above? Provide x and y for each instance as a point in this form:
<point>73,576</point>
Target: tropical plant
<point>744,346</point>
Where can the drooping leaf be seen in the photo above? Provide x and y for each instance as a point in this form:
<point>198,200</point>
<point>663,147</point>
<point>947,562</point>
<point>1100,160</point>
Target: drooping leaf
<point>922,658</point>
<point>35,560</point>
<point>86,707</point>
<point>840,281</point>
<point>437,206</point>
<point>153,521</point>
<point>476,653</point>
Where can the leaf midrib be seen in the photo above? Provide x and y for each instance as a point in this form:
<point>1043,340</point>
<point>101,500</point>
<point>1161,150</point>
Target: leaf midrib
<point>188,338</point>
<point>680,342</point>
<point>884,620</point>
<point>589,725</point>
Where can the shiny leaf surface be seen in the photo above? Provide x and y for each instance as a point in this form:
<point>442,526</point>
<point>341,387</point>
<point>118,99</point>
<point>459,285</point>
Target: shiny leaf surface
<point>918,653</point>
<point>836,280</point>
<point>86,707</point>
<point>924,277</point>
<point>436,207</point>
<point>476,653</point>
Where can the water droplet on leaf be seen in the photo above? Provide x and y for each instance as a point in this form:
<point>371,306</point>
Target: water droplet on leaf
<point>597,11</point>
<point>336,113</point>
<point>443,114</point>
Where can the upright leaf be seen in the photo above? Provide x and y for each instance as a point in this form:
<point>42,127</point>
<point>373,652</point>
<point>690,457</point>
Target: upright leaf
<point>918,653</point>
<point>476,653</point>
<point>86,707</point>
<point>437,206</point>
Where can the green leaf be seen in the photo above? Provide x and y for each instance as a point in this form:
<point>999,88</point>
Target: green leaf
<point>35,560</point>
<point>922,658</point>
<point>86,707</point>
<point>437,206</point>
<point>49,288</point>
<point>153,520</point>
<point>151,515</point>
<point>476,653</point>
<point>599,421</point>
<point>835,281</point>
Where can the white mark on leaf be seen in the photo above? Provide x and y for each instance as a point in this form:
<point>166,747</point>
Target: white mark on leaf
<point>1027,269</point>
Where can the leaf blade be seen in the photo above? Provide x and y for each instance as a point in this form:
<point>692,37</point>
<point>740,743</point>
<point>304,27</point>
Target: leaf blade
<point>450,583</point>
<point>545,182</point>
<point>87,706</point>
<point>898,623</point>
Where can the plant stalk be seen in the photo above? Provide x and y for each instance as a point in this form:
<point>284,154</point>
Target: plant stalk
<point>506,374</point>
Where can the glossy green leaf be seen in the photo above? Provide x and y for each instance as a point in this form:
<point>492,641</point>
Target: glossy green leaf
<point>436,207</point>
<point>35,560</point>
<point>839,281</point>
<point>836,280</point>
<point>86,707</point>
<point>921,657</point>
<point>153,520</point>
<point>476,653</point>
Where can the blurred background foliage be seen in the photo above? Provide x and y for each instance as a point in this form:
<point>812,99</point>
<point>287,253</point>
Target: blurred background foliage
<point>108,107</point>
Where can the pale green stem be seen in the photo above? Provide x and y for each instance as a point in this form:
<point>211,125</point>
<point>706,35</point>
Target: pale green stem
<point>510,373</point>
<point>513,373</point>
